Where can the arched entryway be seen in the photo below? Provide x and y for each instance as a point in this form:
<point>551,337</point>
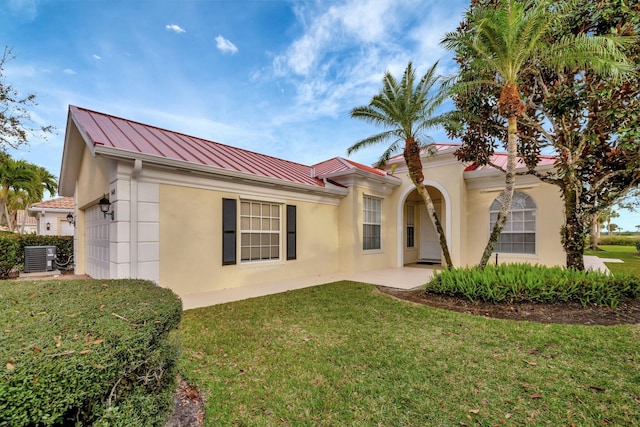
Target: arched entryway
<point>418,242</point>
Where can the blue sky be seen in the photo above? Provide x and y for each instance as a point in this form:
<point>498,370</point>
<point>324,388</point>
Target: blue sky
<point>274,76</point>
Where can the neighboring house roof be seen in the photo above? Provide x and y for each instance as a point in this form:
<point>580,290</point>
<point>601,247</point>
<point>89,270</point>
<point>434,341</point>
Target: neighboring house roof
<point>57,203</point>
<point>121,137</point>
<point>29,221</point>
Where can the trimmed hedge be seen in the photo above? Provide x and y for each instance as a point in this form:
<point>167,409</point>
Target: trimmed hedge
<point>12,250</point>
<point>618,240</point>
<point>87,352</point>
<point>533,283</point>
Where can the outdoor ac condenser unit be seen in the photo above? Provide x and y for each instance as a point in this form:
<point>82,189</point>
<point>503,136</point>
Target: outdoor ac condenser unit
<point>39,258</point>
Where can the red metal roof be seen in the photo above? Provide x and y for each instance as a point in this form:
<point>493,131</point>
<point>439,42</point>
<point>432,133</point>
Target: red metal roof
<point>339,164</point>
<point>500,160</point>
<point>57,203</point>
<point>114,132</point>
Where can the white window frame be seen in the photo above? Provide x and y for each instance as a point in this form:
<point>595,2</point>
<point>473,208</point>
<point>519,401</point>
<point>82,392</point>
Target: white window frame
<point>520,228</point>
<point>260,231</point>
<point>371,220</point>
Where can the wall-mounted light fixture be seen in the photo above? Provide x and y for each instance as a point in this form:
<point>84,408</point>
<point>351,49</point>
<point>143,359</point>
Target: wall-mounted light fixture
<point>48,226</point>
<point>70,219</point>
<point>105,204</point>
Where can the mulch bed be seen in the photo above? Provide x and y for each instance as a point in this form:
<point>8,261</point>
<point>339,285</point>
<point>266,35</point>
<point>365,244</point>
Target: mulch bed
<point>560,312</point>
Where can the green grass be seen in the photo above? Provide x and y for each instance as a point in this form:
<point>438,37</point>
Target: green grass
<point>342,354</point>
<point>628,254</point>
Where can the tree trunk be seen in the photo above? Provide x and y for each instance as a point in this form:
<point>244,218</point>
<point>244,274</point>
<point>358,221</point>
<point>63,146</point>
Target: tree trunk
<point>507,195</point>
<point>6,214</point>
<point>573,232</point>
<point>594,232</point>
<point>414,164</point>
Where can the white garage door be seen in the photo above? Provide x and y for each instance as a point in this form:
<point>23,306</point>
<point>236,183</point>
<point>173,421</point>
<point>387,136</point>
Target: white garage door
<point>96,243</point>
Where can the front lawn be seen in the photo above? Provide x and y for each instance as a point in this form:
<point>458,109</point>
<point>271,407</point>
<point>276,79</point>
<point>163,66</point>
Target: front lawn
<point>342,354</point>
<point>628,254</point>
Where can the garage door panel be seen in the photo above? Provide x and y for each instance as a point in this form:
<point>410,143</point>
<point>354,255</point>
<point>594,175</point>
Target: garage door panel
<point>96,243</point>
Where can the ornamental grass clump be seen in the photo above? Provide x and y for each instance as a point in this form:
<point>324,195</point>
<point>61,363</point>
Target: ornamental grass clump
<point>87,352</point>
<point>512,283</point>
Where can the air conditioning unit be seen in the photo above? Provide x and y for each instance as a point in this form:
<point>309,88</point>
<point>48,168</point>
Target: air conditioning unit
<point>39,258</point>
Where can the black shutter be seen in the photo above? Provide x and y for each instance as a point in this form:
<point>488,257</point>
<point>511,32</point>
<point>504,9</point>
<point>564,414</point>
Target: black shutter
<point>291,232</point>
<point>228,231</point>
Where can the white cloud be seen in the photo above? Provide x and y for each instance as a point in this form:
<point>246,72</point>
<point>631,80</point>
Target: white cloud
<point>97,57</point>
<point>69,71</point>
<point>175,28</point>
<point>225,46</point>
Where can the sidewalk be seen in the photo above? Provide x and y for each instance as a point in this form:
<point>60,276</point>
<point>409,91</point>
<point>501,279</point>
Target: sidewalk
<point>402,278</point>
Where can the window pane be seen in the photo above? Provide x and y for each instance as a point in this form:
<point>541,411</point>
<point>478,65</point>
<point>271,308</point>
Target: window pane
<point>260,217</point>
<point>518,234</point>
<point>245,208</point>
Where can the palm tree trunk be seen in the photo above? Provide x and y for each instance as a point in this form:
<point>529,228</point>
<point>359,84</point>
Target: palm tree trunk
<point>6,214</point>
<point>507,195</point>
<point>414,164</point>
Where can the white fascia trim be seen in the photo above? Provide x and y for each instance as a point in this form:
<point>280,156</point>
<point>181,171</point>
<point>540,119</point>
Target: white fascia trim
<point>218,172</point>
<point>168,176</point>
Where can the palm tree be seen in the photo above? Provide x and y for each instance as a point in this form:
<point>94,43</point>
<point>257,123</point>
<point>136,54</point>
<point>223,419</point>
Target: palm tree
<point>21,183</point>
<point>509,39</point>
<point>406,111</point>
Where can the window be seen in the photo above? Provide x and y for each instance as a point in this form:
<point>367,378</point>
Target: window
<point>259,231</point>
<point>372,220</point>
<point>519,233</point>
<point>411,226</point>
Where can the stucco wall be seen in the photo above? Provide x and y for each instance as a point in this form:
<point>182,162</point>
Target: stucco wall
<point>191,242</point>
<point>549,219</point>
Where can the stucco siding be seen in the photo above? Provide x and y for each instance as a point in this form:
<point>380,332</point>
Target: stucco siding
<point>191,242</point>
<point>549,219</point>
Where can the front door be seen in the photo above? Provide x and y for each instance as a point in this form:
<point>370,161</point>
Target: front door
<point>429,242</point>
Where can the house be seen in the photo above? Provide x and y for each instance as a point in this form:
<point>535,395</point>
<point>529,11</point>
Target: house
<point>51,216</point>
<point>195,215</point>
<point>29,222</point>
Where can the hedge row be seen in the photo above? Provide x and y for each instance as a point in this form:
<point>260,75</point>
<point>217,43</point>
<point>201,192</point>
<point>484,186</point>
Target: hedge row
<point>532,283</point>
<point>12,250</point>
<point>618,240</point>
<point>92,352</point>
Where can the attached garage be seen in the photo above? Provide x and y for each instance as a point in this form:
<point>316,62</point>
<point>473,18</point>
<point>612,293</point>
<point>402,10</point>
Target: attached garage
<point>96,243</point>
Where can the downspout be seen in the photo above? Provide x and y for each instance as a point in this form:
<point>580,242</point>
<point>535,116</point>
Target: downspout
<point>133,219</point>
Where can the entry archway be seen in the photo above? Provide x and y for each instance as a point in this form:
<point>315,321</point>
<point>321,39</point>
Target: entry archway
<point>425,239</point>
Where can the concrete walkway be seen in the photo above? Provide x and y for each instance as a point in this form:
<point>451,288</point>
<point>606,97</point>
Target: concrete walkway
<point>402,278</point>
<point>595,263</point>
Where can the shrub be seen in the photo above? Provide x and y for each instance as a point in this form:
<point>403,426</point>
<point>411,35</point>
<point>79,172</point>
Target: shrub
<point>638,246</point>
<point>87,352</point>
<point>525,282</point>
<point>9,248</point>
<point>618,240</point>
